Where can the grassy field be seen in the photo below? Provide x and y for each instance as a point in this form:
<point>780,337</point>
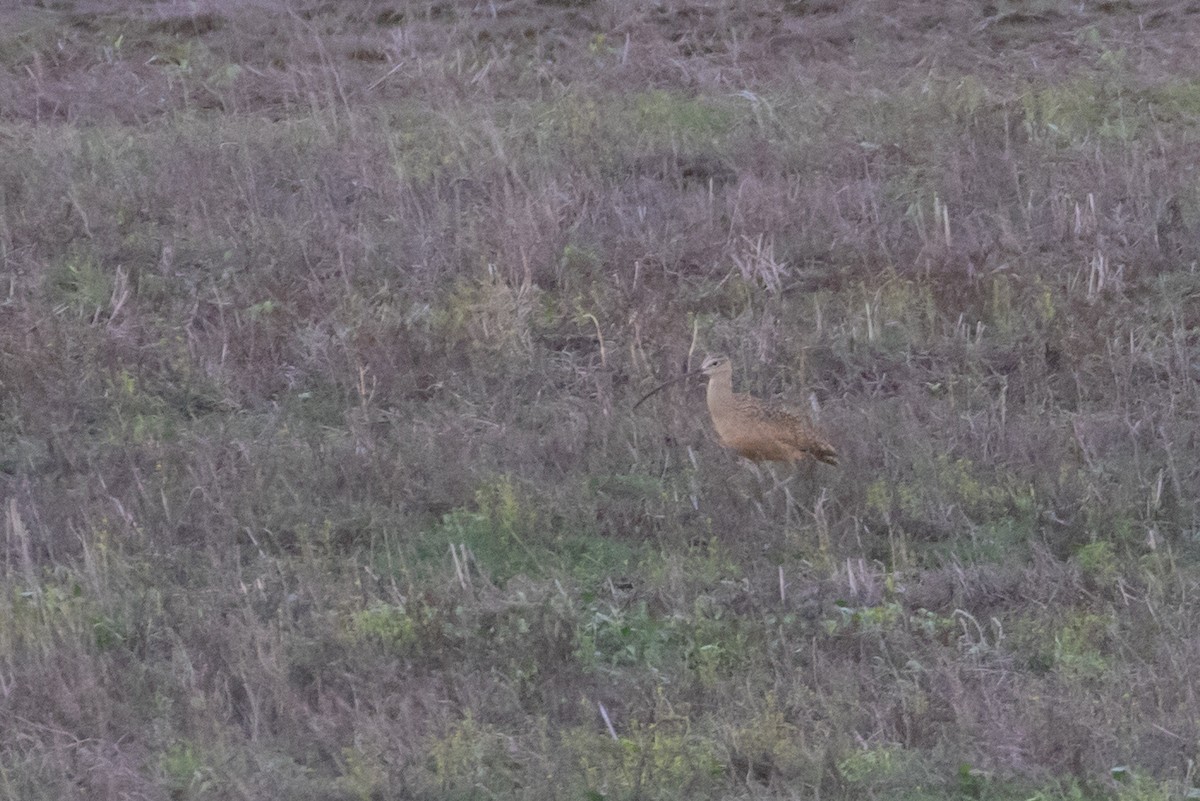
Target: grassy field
<point>321,328</point>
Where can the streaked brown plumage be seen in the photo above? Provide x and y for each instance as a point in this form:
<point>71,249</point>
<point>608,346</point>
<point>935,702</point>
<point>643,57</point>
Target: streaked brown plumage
<point>756,429</point>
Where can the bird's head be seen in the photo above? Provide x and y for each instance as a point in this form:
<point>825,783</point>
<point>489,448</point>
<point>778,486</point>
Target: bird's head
<point>714,364</point>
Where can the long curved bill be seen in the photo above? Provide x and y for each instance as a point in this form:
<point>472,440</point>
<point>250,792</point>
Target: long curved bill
<point>666,384</point>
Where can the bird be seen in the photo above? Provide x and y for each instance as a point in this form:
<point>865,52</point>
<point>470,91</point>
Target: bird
<point>755,429</point>
<point>759,430</point>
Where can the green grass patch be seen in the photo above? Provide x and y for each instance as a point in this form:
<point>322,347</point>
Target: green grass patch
<point>506,536</point>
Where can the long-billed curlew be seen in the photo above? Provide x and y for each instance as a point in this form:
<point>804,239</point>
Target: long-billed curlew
<point>756,429</point>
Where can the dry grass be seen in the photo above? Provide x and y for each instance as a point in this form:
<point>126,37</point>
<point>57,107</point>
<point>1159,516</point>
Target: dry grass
<point>321,328</point>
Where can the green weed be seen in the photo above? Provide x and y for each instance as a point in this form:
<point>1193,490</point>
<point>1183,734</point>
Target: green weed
<point>470,756</point>
<point>657,760</point>
<point>1077,646</point>
<point>185,770</point>
<point>388,624</point>
<point>875,767</point>
<point>78,284</point>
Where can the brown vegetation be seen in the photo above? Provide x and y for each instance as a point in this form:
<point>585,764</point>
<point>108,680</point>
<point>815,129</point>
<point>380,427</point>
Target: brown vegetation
<point>322,323</point>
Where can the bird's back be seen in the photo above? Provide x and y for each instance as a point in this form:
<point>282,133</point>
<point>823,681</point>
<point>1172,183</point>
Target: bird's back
<point>768,432</point>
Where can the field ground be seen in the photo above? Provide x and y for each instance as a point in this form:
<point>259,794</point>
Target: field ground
<point>321,330</point>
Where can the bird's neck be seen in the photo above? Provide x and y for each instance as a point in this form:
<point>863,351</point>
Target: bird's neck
<point>720,388</point>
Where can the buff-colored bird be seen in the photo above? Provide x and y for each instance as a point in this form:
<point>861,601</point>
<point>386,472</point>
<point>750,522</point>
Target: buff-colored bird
<point>756,429</point>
